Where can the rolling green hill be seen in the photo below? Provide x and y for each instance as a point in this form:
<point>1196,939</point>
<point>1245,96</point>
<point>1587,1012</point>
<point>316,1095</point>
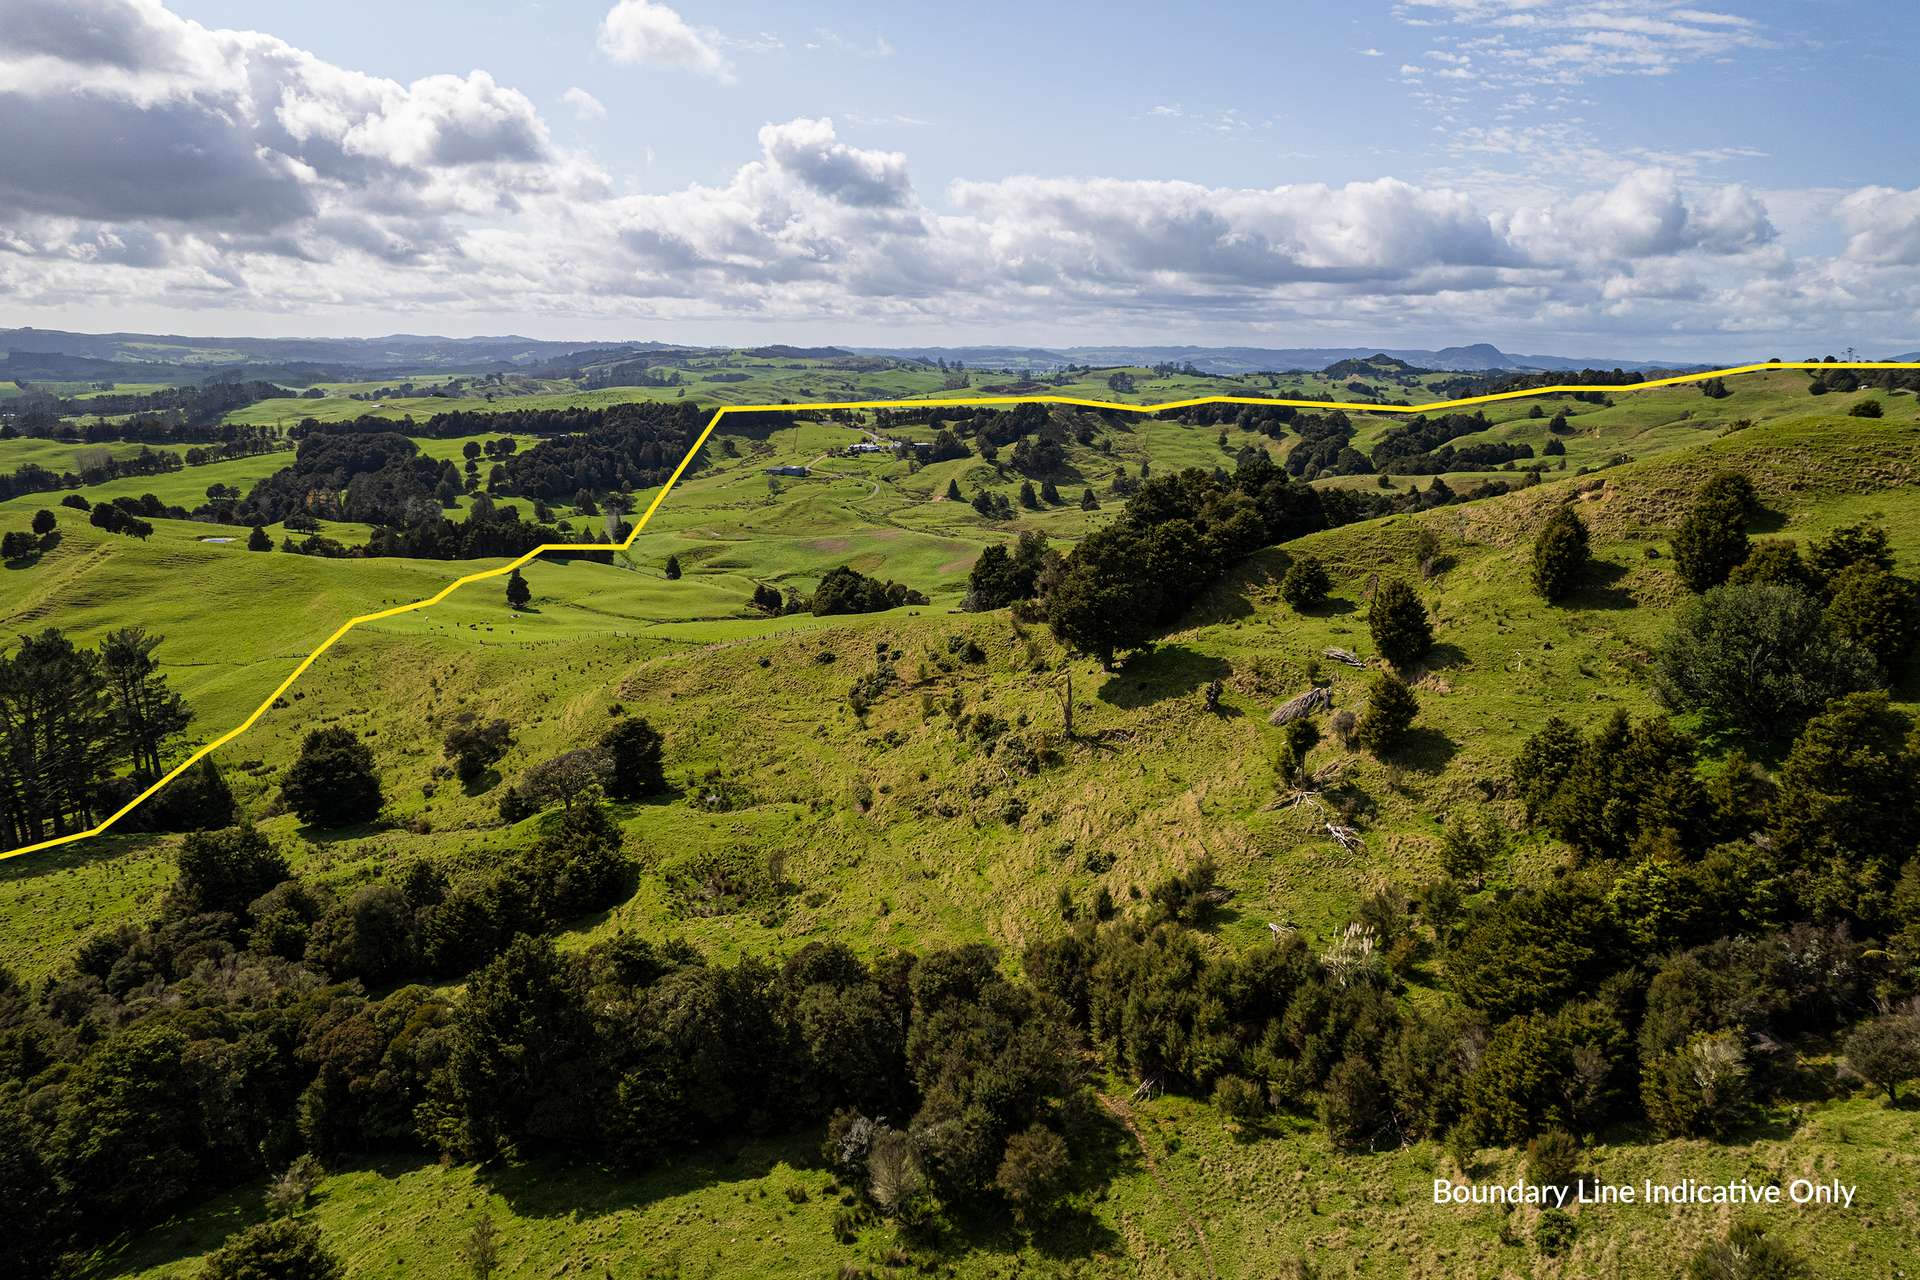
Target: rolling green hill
<point>897,826</point>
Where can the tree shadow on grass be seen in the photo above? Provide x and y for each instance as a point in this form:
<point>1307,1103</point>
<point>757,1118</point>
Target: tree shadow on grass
<point>1424,749</point>
<point>1169,671</point>
<point>81,853</point>
<point>577,1188</point>
<point>1444,656</point>
<point>1600,588</point>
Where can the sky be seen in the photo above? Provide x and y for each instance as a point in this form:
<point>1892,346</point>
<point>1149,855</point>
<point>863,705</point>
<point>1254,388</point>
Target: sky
<point>1590,177</point>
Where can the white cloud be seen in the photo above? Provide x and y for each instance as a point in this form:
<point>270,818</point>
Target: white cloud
<point>641,31</point>
<point>152,161</point>
<point>583,104</point>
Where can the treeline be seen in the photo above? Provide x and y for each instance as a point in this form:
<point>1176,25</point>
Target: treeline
<point>71,718</point>
<point>1175,537</point>
<point>97,465</point>
<point>842,590</point>
<point>624,446</point>
<point>198,422</point>
<point>383,479</point>
<point>235,1032</point>
<point>1714,929</point>
<point>190,407</point>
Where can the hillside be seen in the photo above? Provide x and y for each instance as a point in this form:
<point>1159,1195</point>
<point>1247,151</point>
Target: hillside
<point>794,816</point>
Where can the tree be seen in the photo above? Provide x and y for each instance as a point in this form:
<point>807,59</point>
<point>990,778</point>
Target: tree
<point>278,1249</point>
<point>1354,1106</point>
<point>17,544</point>
<point>1885,1052</point>
<point>258,539</point>
<point>334,782</point>
<point>1389,713</point>
<point>481,1252</point>
<point>1560,555</point>
<point>1776,561</point>
<point>1757,658</point>
<point>1868,408</point>
<point>567,777</point>
<point>673,568</point>
<point>1848,546</point>
<point>44,522</point>
<point>1876,612</point>
<point>1712,537</point>
<point>1398,623</point>
<point>953,491</point>
<point>1747,1253</point>
<point>473,745</point>
<point>1033,1171</point>
<point>1306,583</point>
<point>1108,597</point>
<point>1028,499</point>
<point>632,748</point>
<point>518,592</point>
<point>1087,501</point>
<point>369,936</point>
<point>226,870</point>
<point>146,712</point>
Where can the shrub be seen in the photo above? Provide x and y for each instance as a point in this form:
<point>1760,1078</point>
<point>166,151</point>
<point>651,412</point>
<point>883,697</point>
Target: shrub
<point>1398,623</point>
<point>633,749</point>
<point>1886,1052</point>
<point>1864,409</point>
<point>1560,555</point>
<point>225,870</point>
<point>474,746</point>
<point>1712,538</point>
<point>1757,658</point>
<point>1876,612</point>
<point>1747,1252</point>
<point>279,1249</point>
<point>334,781</point>
<point>1846,547</point>
<point>1306,583</point>
<point>1389,713</point>
<point>1777,562</point>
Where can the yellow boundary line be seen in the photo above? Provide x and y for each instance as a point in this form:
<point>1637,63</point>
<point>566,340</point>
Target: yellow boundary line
<point>825,405</point>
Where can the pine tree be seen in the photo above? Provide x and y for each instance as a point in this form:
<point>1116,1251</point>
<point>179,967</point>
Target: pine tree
<point>1560,555</point>
<point>673,568</point>
<point>953,491</point>
<point>1390,710</point>
<point>518,592</point>
<point>259,540</point>
<point>1398,623</point>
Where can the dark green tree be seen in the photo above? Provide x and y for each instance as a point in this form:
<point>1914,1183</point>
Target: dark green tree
<point>1389,713</point>
<point>258,539</point>
<point>226,870</point>
<point>147,713</point>
<point>673,568</point>
<point>518,592</point>
<point>334,782</point>
<point>279,1249</point>
<point>1398,623</point>
<point>1877,613</point>
<point>44,522</point>
<point>1756,658</point>
<point>633,750</point>
<point>1306,583</point>
<point>1712,537</point>
<point>1775,561</point>
<point>1560,555</point>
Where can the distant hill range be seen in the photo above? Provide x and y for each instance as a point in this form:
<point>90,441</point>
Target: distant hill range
<point>1475,358</point>
<point>57,354</point>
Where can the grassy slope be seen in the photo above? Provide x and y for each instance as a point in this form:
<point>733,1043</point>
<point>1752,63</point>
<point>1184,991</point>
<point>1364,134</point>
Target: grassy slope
<point>931,859</point>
